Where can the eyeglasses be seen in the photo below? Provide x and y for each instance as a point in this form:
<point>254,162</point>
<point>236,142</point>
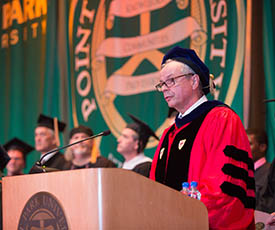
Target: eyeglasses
<point>171,81</point>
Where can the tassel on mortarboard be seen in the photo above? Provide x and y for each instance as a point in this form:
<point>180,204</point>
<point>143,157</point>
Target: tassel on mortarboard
<point>56,131</point>
<point>94,153</point>
<point>212,85</point>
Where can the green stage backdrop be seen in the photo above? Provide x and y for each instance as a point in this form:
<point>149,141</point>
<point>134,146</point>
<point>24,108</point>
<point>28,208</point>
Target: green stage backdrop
<point>269,61</point>
<point>92,62</point>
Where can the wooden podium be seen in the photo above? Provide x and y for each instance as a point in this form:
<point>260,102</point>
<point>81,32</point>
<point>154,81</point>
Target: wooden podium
<point>98,199</point>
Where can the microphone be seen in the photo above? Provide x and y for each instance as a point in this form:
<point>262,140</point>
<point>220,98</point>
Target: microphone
<point>104,133</point>
<point>268,100</point>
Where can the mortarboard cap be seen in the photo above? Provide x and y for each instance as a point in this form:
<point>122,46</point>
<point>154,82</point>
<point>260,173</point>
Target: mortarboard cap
<point>20,145</point>
<point>143,130</point>
<point>190,58</point>
<point>4,158</point>
<point>51,123</point>
<point>45,121</point>
<point>81,129</point>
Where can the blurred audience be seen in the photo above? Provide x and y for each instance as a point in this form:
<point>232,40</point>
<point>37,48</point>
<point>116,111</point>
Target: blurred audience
<point>258,144</point>
<point>17,151</point>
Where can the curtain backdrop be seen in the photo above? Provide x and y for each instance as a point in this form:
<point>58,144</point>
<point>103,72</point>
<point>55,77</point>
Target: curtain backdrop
<point>269,61</point>
<point>92,62</point>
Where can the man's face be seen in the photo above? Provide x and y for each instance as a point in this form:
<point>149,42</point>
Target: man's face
<point>16,163</point>
<point>256,148</point>
<point>179,95</point>
<point>83,148</point>
<point>44,139</point>
<point>127,143</point>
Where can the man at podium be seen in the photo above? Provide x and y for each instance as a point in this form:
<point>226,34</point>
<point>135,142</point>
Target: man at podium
<point>207,144</point>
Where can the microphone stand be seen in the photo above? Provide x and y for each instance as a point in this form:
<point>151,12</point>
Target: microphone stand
<point>39,165</point>
<point>269,100</point>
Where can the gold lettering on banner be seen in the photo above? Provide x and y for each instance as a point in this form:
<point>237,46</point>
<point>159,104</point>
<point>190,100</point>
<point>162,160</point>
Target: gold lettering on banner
<point>106,101</point>
<point>138,50</point>
<point>29,12</point>
<point>218,36</point>
<point>82,64</point>
<point>13,37</point>
<point>40,8</point>
<point>15,13</point>
<point>5,41</point>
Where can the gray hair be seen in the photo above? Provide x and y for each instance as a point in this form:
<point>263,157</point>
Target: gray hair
<point>185,69</point>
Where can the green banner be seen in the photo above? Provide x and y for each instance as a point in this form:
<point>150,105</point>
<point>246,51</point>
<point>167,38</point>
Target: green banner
<point>98,60</point>
<point>269,60</point>
<point>22,57</point>
<point>116,51</point>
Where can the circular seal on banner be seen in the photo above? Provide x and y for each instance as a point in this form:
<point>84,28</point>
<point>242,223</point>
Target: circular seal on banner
<point>123,43</point>
<point>144,47</point>
<point>43,211</point>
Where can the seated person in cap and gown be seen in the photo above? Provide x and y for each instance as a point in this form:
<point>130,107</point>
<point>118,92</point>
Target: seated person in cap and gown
<point>47,139</point>
<point>207,144</point>
<point>266,201</point>
<point>131,144</point>
<point>85,154</point>
<point>258,143</point>
<point>4,159</point>
<point>17,151</point>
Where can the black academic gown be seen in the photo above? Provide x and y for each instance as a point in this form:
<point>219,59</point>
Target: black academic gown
<point>101,162</point>
<point>143,168</point>
<point>57,161</point>
<point>267,196</point>
<point>260,176</point>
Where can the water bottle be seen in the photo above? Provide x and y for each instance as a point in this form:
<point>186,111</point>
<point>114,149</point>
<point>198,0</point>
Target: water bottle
<point>185,188</point>
<point>194,192</point>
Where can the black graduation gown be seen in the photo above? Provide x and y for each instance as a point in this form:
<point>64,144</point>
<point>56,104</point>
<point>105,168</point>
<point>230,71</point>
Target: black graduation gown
<point>260,176</point>
<point>101,162</point>
<point>57,161</point>
<point>143,168</point>
<point>267,196</point>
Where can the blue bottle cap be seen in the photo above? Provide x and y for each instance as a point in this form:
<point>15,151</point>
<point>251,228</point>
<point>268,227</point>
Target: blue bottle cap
<point>194,184</point>
<point>185,184</point>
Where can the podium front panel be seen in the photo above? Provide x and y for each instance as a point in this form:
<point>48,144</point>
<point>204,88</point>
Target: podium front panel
<point>97,199</point>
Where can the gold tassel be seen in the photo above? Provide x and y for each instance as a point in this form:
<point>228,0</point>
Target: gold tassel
<point>212,86</point>
<point>94,153</point>
<point>56,131</point>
